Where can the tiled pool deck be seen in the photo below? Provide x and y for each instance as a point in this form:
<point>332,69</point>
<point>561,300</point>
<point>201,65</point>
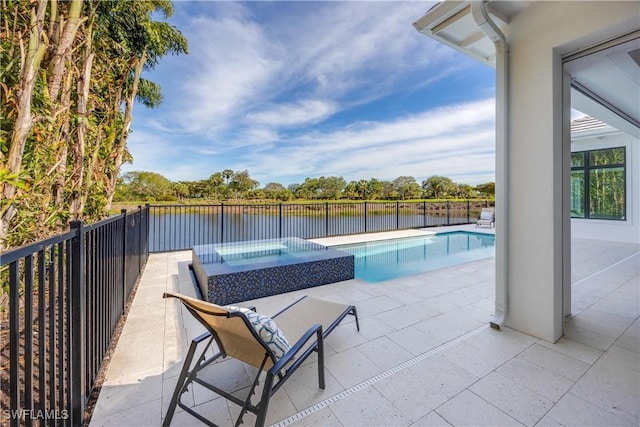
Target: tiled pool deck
<point>424,356</point>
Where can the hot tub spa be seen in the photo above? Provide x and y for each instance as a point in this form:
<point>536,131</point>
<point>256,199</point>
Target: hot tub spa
<point>231,272</point>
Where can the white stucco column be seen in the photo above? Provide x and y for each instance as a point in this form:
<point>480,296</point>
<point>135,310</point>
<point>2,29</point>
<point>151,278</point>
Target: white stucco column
<point>538,264</point>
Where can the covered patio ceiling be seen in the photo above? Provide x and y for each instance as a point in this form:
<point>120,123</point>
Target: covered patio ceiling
<point>605,77</point>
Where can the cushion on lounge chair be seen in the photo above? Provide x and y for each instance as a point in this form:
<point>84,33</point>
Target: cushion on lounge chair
<point>486,215</point>
<point>267,329</point>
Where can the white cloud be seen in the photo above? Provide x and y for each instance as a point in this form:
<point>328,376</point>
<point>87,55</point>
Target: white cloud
<point>232,66</point>
<point>345,45</point>
<point>428,124</point>
<point>305,112</point>
<point>454,140</point>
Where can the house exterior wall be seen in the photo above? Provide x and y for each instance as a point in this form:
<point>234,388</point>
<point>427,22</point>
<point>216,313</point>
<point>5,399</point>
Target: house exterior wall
<point>620,231</point>
<point>538,267</point>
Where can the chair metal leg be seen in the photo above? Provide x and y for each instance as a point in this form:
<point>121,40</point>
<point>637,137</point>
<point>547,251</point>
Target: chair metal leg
<point>263,406</point>
<point>180,384</point>
<point>185,377</point>
<point>320,350</point>
<point>247,402</point>
<point>354,313</point>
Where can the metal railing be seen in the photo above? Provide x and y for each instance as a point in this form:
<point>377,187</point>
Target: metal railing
<point>180,227</point>
<point>66,295</point>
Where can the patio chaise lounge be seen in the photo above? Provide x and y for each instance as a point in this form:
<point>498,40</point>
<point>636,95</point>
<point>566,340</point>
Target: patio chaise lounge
<point>254,339</point>
<point>487,218</point>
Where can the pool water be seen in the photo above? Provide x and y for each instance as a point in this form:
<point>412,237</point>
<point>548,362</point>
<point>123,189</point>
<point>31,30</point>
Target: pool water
<point>264,251</point>
<point>389,259</point>
<point>270,251</point>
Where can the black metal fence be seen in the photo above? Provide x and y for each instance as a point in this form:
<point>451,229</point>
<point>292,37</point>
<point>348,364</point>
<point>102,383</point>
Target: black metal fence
<point>180,227</point>
<point>66,295</point>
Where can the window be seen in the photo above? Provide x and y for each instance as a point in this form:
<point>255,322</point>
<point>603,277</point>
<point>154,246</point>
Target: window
<point>598,184</point>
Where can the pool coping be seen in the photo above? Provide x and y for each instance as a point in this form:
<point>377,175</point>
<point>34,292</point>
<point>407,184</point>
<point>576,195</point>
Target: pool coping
<point>399,234</point>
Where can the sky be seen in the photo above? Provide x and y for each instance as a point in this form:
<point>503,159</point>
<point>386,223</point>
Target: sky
<point>290,90</point>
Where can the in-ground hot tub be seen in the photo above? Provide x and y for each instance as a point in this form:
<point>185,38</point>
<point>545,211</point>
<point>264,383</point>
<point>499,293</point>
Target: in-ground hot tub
<point>240,271</point>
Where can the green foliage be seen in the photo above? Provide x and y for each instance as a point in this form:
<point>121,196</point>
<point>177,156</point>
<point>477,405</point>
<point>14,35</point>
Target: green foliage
<point>486,190</point>
<point>67,70</point>
<point>275,191</point>
<point>598,184</point>
<point>438,187</point>
<point>145,186</point>
<point>406,187</point>
<point>149,94</point>
<point>15,179</point>
<point>240,184</point>
<point>229,186</point>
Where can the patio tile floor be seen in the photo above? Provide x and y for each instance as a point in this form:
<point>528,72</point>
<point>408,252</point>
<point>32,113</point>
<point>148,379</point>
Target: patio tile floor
<point>425,355</point>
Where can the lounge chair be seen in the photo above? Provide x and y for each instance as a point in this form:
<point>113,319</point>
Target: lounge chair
<point>487,218</point>
<point>254,339</point>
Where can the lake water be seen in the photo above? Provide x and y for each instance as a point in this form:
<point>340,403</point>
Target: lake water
<point>182,230</point>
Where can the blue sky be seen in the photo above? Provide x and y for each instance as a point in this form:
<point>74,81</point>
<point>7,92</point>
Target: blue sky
<point>289,90</point>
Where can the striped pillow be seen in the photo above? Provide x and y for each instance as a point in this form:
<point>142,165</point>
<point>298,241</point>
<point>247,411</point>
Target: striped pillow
<point>267,330</point>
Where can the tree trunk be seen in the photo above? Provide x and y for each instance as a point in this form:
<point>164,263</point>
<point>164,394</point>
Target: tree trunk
<point>24,119</point>
<point>128,118</point>
<point>57,66</point>
<point>78,197</point>
<point>60,136</point>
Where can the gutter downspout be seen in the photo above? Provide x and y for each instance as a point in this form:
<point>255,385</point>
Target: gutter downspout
<point>484,22</point>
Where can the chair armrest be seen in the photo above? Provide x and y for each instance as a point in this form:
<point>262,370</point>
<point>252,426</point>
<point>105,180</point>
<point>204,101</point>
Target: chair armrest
<point>289,355</point>
<point>203,336</point>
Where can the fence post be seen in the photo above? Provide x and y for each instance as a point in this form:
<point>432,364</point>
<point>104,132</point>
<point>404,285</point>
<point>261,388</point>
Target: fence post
<point>14,340</point>
<point>326,219</point>
<point>77,307</point>
<point>140,248</point>
<point>397,215</point>
<point>448,214</point>
<point>280,221</point>
<point>123,212</point>
<point>365,216</point>
<point>221,222</point>
<point>468,212</point>
<point>424,213</point>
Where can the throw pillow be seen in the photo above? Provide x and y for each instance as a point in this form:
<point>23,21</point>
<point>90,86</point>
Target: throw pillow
<point>267,329</point>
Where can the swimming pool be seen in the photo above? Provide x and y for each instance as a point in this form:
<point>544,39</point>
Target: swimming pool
<point>389,259</point>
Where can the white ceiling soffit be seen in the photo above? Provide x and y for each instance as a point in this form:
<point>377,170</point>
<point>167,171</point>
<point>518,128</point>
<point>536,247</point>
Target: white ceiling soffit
<point>591,107</point>
<point>451,23</point>
<point>610,77</point>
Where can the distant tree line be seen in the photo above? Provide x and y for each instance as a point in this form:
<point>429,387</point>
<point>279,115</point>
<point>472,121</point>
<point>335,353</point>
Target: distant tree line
<point>238,185</point>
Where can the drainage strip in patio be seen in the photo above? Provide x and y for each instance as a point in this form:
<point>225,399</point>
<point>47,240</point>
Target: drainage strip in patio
<point>609,267</point>
<point>361,386</point>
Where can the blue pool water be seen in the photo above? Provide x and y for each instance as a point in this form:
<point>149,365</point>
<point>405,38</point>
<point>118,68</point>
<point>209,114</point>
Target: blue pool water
<point>389,259</point>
